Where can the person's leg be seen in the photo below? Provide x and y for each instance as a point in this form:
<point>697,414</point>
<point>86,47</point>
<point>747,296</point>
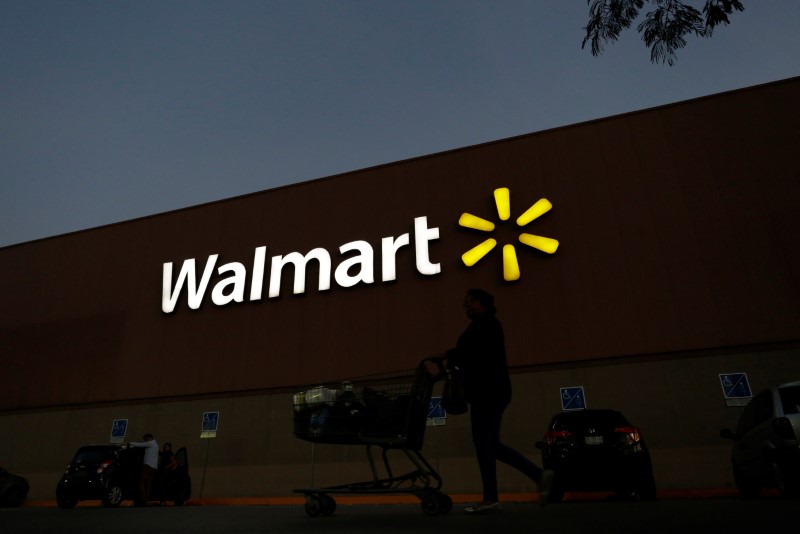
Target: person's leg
<point>142,500</point>
<point>147,483</point>
<point>512,457</point>
<point>517,460</point>
<point>486,437</point>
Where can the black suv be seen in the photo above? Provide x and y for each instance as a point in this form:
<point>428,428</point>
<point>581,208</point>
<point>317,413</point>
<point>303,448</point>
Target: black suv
<point>110,473</point>
<point>597,450</point>
<point>765,446</point>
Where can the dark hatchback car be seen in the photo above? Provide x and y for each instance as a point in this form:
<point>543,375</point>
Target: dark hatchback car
<point>13,489</point>
<point>110,473</point>
<point>766,451</point>
<point>597,450</point>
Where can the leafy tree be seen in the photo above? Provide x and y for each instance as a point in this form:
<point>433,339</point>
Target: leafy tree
<point>663,30</point>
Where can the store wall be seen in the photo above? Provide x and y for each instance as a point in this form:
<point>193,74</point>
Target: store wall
<point>677,228</point>
<point>677,402</point>
<point>678,261</point>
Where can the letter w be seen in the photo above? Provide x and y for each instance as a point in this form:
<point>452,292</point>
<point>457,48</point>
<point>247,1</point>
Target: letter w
<point>169,297</point>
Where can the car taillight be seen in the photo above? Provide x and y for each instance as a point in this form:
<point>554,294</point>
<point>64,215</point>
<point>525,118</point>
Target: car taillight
<point>631,433</point>
<point>783,428</point>
<point>103,466</point>
<point>551,437</point>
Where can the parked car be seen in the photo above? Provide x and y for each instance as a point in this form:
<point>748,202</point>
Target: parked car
<point>13,489</point>
<point>110,473</point>
<point>765,450</point>
<point>597,450</point>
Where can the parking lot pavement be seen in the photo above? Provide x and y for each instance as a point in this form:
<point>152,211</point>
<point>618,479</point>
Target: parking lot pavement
<point>728,515</point>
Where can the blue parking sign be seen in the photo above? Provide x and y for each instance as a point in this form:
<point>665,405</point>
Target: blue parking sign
<point>118,430</point>
<point>209,425</point>
<point>435,409</point>
<point>436,413</point>
<point>735,386</point>
<point>573,398</point>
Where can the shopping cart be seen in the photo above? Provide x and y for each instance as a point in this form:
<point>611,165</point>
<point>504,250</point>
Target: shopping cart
<point>386,412</point>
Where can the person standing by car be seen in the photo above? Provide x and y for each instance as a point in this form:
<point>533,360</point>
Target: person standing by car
<point>149,466</point>
<point>480,354</point>
<point>167,463</point>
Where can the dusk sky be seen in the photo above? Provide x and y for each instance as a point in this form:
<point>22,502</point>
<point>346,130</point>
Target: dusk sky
<point>114,110</point>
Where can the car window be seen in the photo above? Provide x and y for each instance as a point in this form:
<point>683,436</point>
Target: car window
<point>92,456</point>
<point>790,399</point>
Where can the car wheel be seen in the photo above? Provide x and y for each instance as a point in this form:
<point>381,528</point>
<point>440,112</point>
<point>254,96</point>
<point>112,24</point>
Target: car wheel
<point>65,502</point>
<point>113,496</point>
<point>12,498</point>
<point>747,487</point>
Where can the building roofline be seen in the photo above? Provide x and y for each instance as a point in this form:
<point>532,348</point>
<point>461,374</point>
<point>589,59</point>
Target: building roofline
<point>412,159</point>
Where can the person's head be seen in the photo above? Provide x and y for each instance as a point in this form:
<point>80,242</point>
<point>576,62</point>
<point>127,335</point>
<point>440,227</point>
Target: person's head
<point>167,447</point>
<point>478,302</point>
<point>148,437</point>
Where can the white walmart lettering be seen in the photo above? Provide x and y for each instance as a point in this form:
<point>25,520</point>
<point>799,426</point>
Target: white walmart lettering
<point>359,268</point>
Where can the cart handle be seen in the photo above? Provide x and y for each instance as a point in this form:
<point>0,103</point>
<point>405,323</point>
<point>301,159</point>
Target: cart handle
<point>434,366</point>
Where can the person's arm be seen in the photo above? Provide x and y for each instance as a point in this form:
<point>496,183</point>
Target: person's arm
<point>172,464</point>
<point>142,444</point>
<point>435,364</point>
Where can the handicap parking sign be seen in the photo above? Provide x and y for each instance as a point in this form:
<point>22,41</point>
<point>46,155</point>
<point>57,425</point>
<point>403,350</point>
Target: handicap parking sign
<point>735,386</point>
<point>573,398</point>
<point>435,409</point>
<point>209,425</point>
<point>436,413</point>
<point>118,430</point>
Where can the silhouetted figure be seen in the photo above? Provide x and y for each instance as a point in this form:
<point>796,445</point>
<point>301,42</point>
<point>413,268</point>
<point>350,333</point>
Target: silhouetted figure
<point>149,466</point>
<point>480,354</point>
<point>167,465</point>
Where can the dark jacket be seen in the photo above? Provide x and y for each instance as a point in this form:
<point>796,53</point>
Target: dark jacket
<point>480,354</point>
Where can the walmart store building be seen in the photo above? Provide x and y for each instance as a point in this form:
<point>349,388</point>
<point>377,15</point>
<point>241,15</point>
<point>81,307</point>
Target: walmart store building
<point>677,261</point>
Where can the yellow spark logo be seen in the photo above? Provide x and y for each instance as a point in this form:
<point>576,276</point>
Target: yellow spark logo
<point>502,200</point>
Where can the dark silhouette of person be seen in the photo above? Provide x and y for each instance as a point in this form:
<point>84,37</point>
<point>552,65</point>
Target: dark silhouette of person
<point>480,355</point>
<point>167,465</point>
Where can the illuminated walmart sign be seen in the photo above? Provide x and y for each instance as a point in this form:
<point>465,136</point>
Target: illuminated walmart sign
<point>357,268</point>
<point>351,271</point>
<point>502,199</point>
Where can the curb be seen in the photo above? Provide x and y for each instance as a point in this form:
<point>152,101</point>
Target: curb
<point>342,499</point>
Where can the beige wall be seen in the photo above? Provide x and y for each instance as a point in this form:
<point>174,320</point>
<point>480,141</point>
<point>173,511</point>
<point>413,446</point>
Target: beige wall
<point>676,401</point>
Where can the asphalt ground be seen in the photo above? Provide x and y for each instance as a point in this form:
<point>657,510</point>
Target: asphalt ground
<point>715,514</point>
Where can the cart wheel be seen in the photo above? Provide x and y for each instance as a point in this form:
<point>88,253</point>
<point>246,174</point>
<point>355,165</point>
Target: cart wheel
<point>431,505</point>
<point>314,505</point>
<point>445,503</point>
<point>328,504</point>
